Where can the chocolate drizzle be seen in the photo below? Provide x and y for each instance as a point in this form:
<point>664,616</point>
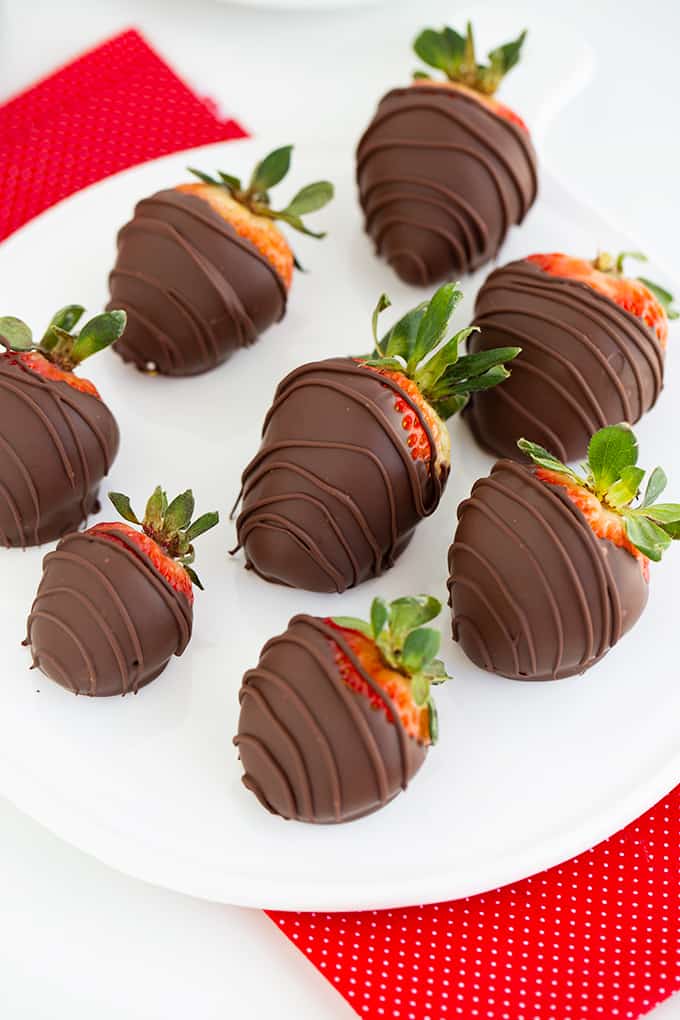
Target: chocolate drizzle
<point>56,445</point>
<point>104,621</point>
<point>585,363</point>
<point>441,180</point>
<point>325,513</point>
<point>535,594</point>
<point>193,289</point>
<point>311,748</point>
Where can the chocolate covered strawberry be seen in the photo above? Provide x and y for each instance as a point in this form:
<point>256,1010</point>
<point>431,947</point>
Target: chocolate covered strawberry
<point>593,341</point>
<point>355,452</point>
<point>115,602</point>
<point>338,716</point>
<point>549,567</point>
<point>203,268</point>
<point>58,438</point>
<point>444,169</point>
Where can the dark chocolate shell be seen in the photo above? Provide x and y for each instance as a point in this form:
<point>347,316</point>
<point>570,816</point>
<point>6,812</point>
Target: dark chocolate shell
<point>56,445</point>
<point>333,495</point>
<point>535,595</point>
<point>441,180</point>
<point>104,621</point>
<point>193,289</point>
<point>585,363</point>
<point>311,748</point>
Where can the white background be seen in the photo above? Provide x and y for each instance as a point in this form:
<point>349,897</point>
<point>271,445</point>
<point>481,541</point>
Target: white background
<point>76,939</point>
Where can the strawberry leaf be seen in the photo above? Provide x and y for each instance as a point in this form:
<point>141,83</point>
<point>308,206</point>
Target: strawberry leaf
<point>202,524</point>
<point>443,50</point>
<point>155,509</point>
<point>271,170</point>
<point>66,318</point>
<point>505,57</point>
<point>443,363</point>
<point>662,513</point>
<point>194,578</point>
<point>655,486</point>
<point>122,505</point>
<point>542,458</point>
<point>97,334</point>
<point>420,648</point>
<point>383,303</point>
<point>610,451</point>
<point>290,219</point>
<point>435,671</point>
<point>434,323</point>
<point>15,334</point>
<point>206,178</point>
<point>624,491</point>
<point>400,340</point>
<point>379,614</point>
<point>232,183</point>
<point>434,722</point>
<point>663,296</point>
<point>353,623</point>
<point>179,513</point>
<point>406,614</point>
<point>646,536</point>
<point>420,689</point>
<point>310,198</point>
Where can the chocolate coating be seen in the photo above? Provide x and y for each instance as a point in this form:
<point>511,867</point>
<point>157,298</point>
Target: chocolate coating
<point>333,495</point>
<point>56,445</point>
<point>311,748</point>
<point>535,594</point>
<point>441,180</point>
<point>104,621</point>
<point>585,363</point>
<point>194,291</point>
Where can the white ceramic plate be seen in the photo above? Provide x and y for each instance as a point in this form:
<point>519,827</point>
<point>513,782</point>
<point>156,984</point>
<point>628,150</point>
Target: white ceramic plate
<point>525,775</point>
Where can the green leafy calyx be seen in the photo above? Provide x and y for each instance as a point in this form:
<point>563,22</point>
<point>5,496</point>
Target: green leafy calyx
<point>59,344</point>
<point>406,645</point>
<point>416,346</point>
<point>614,266</point>
<point>612,475</point>
<point>169,524</point>
<point>255,195</point>
<point>454,54</point>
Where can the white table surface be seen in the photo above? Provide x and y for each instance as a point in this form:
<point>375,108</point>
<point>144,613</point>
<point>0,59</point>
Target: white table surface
<point>77,939</point>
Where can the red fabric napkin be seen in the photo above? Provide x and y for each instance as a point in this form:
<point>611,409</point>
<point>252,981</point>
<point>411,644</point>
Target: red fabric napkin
<point>597,937</point>
<point>116,106</point>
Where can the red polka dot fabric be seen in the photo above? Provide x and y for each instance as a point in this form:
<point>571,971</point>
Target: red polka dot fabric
<point>116,106</point>
<point>598,936</point>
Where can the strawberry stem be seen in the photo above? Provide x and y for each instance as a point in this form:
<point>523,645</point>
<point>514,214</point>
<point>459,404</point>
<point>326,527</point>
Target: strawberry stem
<point>405,644</point>
<point>415,347</point>
<point>454,54</point>
<point>169,524</point>
<point>59,344</point>
<point>267,174</point>
<point>612,475</point>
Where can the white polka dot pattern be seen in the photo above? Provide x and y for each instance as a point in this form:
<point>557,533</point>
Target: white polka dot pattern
<point>598,936</point>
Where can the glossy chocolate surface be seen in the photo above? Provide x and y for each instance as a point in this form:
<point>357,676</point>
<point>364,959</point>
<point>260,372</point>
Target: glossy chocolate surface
<point>193,289</point>
<point>333,495</point>
<point>104,621</point>
<point>585,363</point>
<point>535,594</point>
<point>311,748</point>
<point>441,180</point>
<point>56,445</point>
